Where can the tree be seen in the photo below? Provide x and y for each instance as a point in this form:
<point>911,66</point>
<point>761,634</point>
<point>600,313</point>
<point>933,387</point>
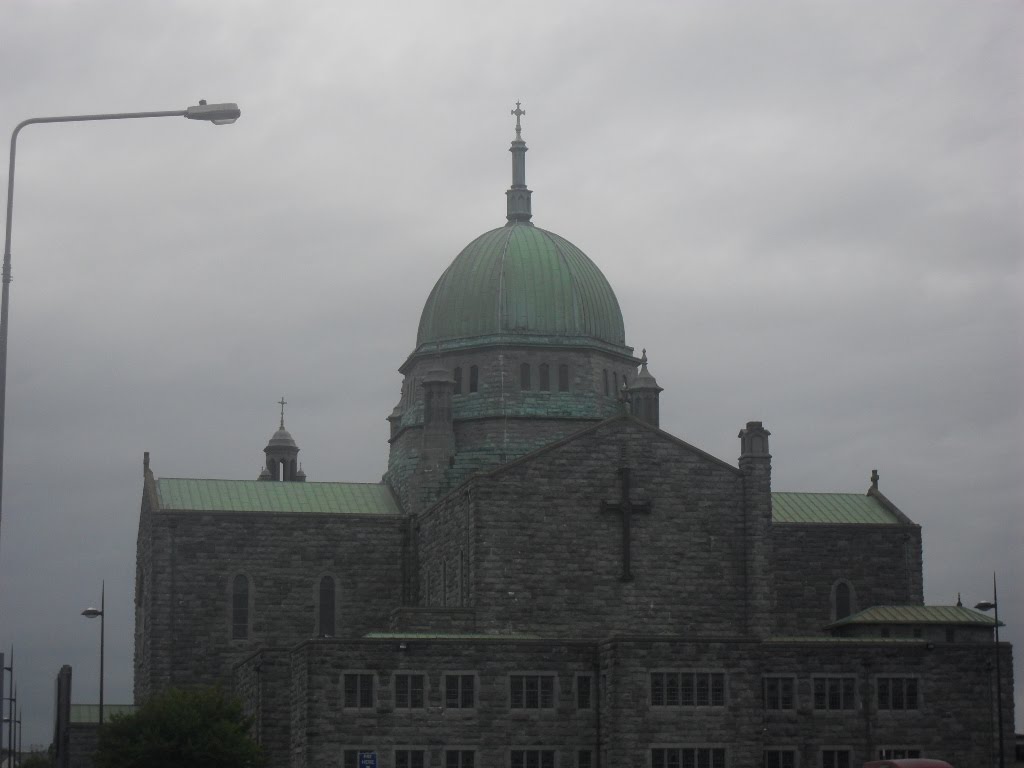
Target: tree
<point>197,727</point>
<point>36,760</point>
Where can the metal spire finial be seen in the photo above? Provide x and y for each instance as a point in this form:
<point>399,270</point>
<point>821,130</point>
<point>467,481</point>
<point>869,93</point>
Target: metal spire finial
<point>518,112</point>
<point>282,402</point>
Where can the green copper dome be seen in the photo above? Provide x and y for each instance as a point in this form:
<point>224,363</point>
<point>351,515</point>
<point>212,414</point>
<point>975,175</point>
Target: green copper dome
<point>520,280</point>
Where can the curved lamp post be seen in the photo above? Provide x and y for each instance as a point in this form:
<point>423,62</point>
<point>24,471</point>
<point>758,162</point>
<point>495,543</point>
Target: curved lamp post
<point>92,613</point>
<point>218,114</point>
<point>985,605</point>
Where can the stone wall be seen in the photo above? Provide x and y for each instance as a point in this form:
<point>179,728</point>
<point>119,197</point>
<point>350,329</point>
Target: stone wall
<point>446,543</point>
<point>549,558</point>
<point>954,720</point>
<point>489,728</point>
<point>192,558</point>
<point>880,563</point>
<point>263,681</point>
<point>82,741</point>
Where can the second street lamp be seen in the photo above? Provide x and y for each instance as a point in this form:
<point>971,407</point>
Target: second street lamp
<point>92,613</point>
<point>985,605</point>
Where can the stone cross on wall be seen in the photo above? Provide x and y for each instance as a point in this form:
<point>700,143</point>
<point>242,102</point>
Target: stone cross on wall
<point>627,508</point>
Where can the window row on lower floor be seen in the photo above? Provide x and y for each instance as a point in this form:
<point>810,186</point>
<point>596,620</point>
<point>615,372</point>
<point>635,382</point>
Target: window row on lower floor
<point>419,757</point>
<point>660,757</point>
<point>833,758</point>
<point>458,690</point>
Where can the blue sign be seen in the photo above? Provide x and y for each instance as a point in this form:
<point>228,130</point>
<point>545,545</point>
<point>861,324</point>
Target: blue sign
<point>367,760</point>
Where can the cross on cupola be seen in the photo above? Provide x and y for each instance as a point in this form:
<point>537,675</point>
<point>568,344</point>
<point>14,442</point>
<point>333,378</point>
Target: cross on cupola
<point>518,196</point>
<point>627,508</point>
<point>518,112</point>
<point>282,402</point>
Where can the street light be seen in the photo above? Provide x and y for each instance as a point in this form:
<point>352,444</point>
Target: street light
<point>218,114</point>
<point>985,605</point>
<point>92,613</point>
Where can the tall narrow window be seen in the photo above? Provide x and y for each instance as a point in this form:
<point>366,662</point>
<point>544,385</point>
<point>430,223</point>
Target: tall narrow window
<point>462,578</point>
<point>606,381</point>
<point>545,377</point>
<point>842,600</point>
<point>524,376</point>
<point>326,623</point>
<point>457,375</point>
<point>563,378</point>
<point>240,608</point>
<point>474,378</point>
<point>615,383</point>
<point>444,583</point>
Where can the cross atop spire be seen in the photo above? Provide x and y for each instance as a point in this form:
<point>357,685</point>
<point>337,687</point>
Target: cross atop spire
<point>518,195</point>
<point>282,402</point>
<point>518,112</point>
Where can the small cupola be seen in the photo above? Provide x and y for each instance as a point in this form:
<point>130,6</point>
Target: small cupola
<point>282,455</point>
<point>643,393</point>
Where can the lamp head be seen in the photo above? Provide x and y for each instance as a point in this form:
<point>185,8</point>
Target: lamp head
<point>218,114</point>
<point>92,613</point>
<point>984,605</point>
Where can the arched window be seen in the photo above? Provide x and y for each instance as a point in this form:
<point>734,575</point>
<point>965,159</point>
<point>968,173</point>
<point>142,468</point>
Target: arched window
<point>606,381</point>
<point>458,380</point>
<point>240,608</point>
<point>615,383</point>
<point>841,600</point>
<point>545,377</point>
<point>563,378</point>
<point>524,376</point>
<point>474,378</point>
<point>326,617</point>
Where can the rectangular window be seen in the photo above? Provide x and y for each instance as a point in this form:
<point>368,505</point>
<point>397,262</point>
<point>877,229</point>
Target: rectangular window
<point>459,691</point>
<point>778,693</point>
<point>897,693</point>
<point>359,690</point>
<point>688,689</point>
<point>563,378</point>
<point>459,758</point>
<point>409,692</point>
<point>688,757</point>
<point>533,758</point>
<point>409,758</point>
<point>584,699</point>
<point>835,758</point>
<point>584,759</point>
<point>833,693</point>
<point>898,753</point>
<point>532,691</point>
<point>474,378</point>
<point>779,758</point>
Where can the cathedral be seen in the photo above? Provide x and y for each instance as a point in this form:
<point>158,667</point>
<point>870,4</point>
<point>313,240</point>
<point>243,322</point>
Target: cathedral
<point>544,578</point>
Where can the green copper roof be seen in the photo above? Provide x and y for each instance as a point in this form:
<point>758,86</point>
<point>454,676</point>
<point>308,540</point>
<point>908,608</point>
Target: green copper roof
<point>521,280</point>
<point>274,496</point>
<point>917,614</point>
<point>848,508</point>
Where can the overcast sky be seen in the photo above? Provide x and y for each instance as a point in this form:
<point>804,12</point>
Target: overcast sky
<point>810,213</point>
